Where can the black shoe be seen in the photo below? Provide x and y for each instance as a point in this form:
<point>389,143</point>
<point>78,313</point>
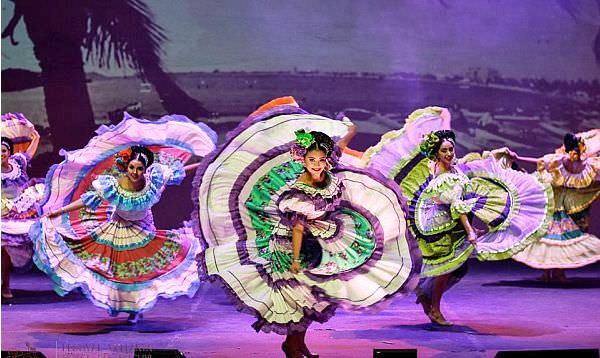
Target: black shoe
<point>305,352</point>
<point>134,318</point>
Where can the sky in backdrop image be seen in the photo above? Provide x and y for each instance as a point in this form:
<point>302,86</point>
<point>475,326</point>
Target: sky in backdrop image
<point>513,73</point>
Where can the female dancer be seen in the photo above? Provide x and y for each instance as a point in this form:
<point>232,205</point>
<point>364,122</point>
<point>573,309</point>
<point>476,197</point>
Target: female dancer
<point>20,197</point>
<point>443,196</point>
<point>101,237</point>
<point>575,180</point>
<point>290,236</point>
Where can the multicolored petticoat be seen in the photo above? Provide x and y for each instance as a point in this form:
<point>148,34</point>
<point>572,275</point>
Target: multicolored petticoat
<point>111,249</point>
<point>566,244</point>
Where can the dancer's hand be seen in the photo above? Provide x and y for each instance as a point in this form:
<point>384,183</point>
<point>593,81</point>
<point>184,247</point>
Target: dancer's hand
<point>295,267</point>
<point>472,237</point>
<point>191,167</point>
<point>35,141</point>
<point>512,155</point>
<point>52,214</point>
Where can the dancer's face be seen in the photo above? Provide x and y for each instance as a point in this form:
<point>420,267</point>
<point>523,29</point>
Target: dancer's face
<point>445,154</point>
<point>135,171</point>
<point>315,162</point>
<point>5,154</point>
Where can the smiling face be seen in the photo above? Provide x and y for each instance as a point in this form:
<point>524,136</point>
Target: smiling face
<point>5,154</point>
<point>135,171</point>
<point>315,162</point>
<point>445,154</point>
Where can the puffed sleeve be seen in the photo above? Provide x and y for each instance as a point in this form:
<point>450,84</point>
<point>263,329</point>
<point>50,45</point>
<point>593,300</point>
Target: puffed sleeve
<point>172,174</point>
<point>296,207</point>
<point>91,199</point>
<point>22,159</point>
<point>451,192</point>
<point>103,189</point>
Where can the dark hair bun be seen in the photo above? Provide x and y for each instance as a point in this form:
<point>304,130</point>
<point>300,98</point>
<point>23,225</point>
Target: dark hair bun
<point>322,142</point>
<point>446,134</point>
<point>571,142</point>
<point>432,144</point>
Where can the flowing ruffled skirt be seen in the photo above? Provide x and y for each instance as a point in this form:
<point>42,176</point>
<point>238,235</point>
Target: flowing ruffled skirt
<point>119,264</point>
<point>565,245</point>
<point>514,207</point>
<point>355,257</point>
<point>18,215</point>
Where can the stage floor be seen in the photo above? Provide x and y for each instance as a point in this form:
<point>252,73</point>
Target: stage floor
<point>497,306</point>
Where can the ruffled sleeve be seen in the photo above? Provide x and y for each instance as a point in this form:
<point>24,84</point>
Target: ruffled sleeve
<point>551,163</point>
<point>595,163</point>
<point>296,207</point>
<point>450,191</point>
<point>22,159</point>
<point>459,207</point>
<point>454,197</point>
<point>91,199</point>
<point>161,175</point>
<point>502,157</point>
<point>104,187</point>
<point>178,174</point>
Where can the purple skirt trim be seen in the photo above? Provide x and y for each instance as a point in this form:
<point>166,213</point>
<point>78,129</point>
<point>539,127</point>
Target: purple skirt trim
<point>309,315</point>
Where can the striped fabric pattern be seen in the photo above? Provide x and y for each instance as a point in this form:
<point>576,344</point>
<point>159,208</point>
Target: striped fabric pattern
<point>248,243</point>
<point>120,263</point>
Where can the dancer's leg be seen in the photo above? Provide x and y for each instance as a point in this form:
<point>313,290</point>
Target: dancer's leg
<point>6,268</point>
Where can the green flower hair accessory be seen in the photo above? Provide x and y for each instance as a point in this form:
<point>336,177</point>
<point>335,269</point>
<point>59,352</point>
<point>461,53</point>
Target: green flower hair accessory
<point>304,139</point>
<point>428,143</point>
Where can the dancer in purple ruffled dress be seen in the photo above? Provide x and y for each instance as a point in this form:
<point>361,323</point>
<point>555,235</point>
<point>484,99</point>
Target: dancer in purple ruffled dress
<point>20,197</point>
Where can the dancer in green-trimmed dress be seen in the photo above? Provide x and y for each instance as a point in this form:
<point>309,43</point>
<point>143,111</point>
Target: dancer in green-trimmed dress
<point>291,236</point>
<point>444,195</point>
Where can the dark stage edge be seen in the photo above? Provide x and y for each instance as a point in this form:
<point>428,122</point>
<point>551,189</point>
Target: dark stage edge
<point>498,306</point>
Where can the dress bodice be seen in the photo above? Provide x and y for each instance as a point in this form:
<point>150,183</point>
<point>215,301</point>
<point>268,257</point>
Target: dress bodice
<point>14,180</point>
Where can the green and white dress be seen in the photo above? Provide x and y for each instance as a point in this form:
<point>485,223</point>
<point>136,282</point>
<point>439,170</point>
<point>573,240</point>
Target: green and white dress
<point>513,207</point>
<point>356,250</point>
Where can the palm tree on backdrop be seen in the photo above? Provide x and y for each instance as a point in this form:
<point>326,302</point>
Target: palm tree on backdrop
<point>67,33</point>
